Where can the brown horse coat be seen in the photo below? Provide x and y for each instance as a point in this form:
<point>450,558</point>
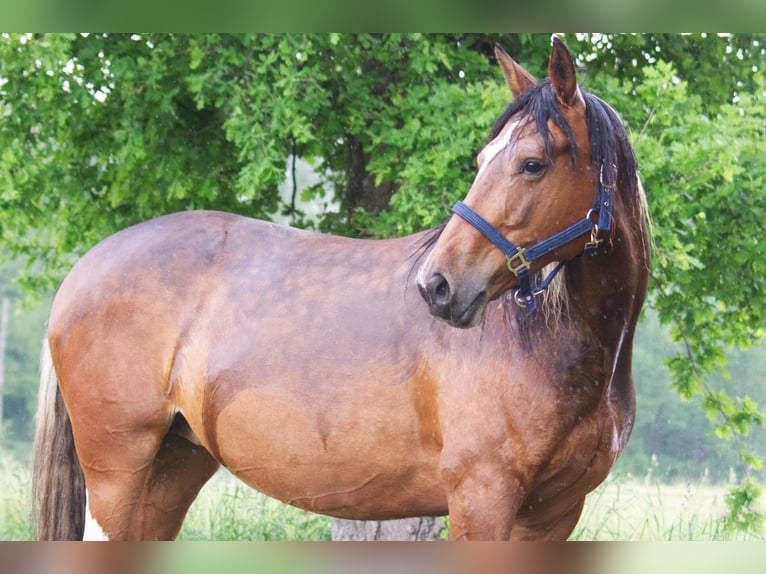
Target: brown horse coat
<point>310,366</point>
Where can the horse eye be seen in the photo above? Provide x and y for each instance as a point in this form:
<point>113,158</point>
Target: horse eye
<point>531,167</point>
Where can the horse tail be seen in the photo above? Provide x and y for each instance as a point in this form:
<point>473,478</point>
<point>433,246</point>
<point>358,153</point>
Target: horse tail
<point>58,485</point>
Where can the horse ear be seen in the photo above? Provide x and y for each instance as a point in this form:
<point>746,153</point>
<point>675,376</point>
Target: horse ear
<point>517,78</point>
<point>561,70</point>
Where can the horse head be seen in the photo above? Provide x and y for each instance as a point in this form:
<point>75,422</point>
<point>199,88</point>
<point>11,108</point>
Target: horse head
<point>533,194</point>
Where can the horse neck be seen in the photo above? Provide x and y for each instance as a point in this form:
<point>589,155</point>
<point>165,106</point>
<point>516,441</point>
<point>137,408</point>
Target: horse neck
<point>606,290</point>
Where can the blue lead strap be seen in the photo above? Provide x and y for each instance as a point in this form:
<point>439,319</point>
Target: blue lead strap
<point>520,258</point>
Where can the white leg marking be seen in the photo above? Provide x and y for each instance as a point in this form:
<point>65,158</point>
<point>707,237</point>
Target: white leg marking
<point>93,532</point>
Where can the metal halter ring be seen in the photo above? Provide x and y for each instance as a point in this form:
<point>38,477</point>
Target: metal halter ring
<point>523,301</point>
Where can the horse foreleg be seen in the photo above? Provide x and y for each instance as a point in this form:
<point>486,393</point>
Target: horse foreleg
<point>557,528</point>
<point>482,504</point>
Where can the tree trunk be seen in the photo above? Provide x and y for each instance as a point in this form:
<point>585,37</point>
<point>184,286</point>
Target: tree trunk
<point>361,190</point>
<point>426,528</point>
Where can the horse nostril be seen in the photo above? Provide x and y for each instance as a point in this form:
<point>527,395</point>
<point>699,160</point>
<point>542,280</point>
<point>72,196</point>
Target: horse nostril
<point>439,290</point>
<point>442,291</point>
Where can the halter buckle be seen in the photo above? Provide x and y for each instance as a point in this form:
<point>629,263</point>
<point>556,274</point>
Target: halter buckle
<point>594,240</point>
<point>517,262</point>
<point>602,180</point>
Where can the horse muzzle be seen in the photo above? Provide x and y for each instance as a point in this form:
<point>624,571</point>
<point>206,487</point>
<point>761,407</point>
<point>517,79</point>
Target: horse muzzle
<point>460,307</point>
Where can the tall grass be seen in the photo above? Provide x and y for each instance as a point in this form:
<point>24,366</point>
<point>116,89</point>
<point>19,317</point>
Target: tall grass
<point>626,508</point>
<point>227,509</point>
<point>622,508</point>
<point>15,499</point>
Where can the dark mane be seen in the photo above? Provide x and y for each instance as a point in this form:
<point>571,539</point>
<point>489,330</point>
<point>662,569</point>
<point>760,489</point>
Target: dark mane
<point>537,105</point>
<point>609,144</point>
<point>611,155</point>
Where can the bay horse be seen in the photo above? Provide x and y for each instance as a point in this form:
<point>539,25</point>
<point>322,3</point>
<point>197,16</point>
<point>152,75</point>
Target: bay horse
<point>342,376</point>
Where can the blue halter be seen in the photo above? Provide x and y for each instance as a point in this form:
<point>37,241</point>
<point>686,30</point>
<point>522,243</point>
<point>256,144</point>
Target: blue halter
<point>520,259</point>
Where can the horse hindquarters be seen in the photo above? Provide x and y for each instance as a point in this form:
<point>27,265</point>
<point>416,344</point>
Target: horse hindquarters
<point>141,479</point>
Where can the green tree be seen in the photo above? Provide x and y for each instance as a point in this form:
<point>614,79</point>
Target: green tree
<point>99,131</point>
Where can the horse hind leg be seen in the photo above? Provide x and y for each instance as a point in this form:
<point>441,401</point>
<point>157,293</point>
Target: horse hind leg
<point>180,469</point>
<point>151,502</point>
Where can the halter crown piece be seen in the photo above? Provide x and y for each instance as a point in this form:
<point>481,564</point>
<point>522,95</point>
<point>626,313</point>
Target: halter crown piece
<point>520,259</point>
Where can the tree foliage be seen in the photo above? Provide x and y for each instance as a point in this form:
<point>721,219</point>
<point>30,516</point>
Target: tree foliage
<point>100,131</point>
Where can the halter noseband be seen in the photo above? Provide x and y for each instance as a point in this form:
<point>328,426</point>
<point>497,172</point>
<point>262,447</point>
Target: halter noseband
<point>520,259</point>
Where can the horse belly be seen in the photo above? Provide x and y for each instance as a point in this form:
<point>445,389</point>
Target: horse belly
<point>337,461</point>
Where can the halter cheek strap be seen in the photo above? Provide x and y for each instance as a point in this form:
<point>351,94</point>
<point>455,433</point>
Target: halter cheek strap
<point>520,259</point>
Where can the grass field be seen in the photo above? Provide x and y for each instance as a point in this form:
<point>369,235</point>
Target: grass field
<point>620,509</point>
<point>635,509</point>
